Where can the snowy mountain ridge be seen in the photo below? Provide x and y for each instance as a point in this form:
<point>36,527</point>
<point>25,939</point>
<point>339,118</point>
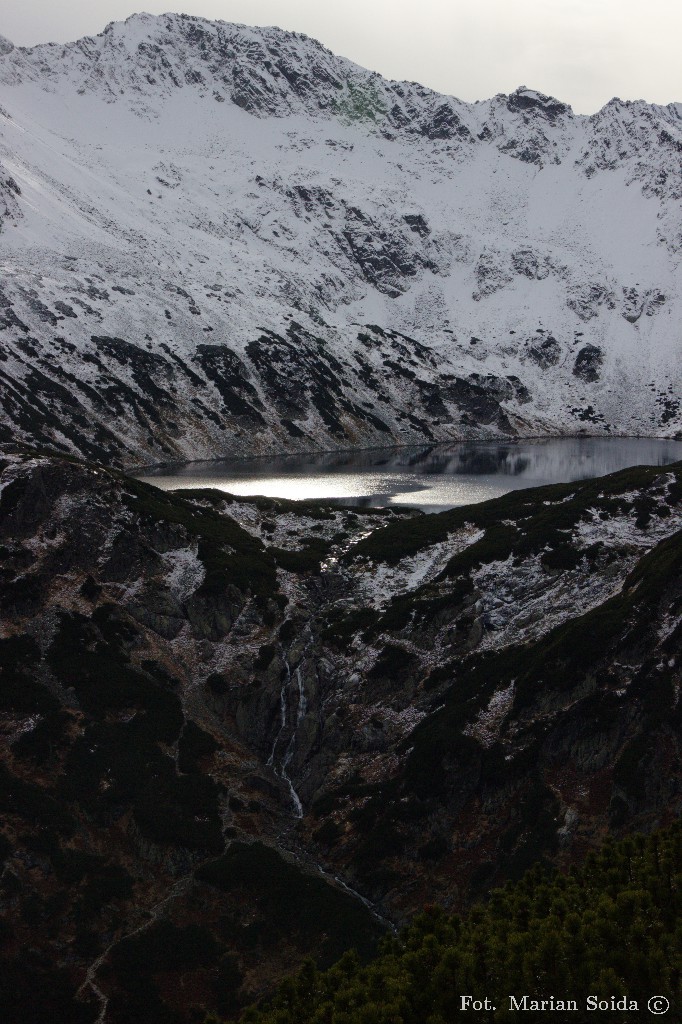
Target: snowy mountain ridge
<point>219,239</point>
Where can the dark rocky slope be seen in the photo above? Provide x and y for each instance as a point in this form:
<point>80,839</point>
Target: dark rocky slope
<point>213,707</point>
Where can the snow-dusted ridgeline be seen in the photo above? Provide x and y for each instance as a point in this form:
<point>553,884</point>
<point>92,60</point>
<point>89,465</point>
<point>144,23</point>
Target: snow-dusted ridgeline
<point>199,221</point>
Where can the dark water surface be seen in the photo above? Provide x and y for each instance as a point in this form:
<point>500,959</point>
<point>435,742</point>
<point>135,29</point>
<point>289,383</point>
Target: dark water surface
<point>432,477</point>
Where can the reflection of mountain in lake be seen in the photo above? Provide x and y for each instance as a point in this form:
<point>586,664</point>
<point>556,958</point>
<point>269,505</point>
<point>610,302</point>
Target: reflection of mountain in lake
<point>491,461</point>
<point>431,478</point>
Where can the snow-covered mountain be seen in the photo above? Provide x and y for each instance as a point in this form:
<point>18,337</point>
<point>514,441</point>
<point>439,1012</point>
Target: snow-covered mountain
<point>218,239</point>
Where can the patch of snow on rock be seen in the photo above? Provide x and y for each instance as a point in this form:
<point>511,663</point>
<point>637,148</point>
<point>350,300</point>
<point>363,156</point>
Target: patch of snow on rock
<point>622,531</point>
<point>380,583</point>
<point>486,728</point>
<point>522,603</point>
<point>185,572</point>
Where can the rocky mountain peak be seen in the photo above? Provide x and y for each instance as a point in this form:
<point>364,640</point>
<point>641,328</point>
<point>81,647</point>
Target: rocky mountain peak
<point>266,71</point>
<point>527,101</point>
<point>273,72</point>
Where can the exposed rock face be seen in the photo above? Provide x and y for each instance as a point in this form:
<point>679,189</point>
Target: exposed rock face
<point>9,193</point>
<point>546,352</point>
<point>211,707</point>
<point>143,268</point>
<point>536,103</point>
<point>588,363</point>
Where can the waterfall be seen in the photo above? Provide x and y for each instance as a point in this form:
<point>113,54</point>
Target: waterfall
<point>301,708</point>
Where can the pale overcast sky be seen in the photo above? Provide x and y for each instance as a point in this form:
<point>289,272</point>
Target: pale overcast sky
<point>582,51</point>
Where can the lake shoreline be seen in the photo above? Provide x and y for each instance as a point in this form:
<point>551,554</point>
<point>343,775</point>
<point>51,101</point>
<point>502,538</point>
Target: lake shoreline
<point>140,470</point>
<point>430,477</point>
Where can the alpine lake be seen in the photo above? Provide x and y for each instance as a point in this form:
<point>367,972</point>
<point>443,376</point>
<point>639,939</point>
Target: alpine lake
<point>431,478</point>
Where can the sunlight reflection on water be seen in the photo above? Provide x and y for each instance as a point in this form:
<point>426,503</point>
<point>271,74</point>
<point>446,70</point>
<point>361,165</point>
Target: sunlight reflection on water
<point>432,477</point>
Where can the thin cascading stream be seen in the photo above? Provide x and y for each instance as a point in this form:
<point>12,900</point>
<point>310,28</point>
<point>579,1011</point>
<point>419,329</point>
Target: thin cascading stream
<point>281,768</point>
<point>371,907</point>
